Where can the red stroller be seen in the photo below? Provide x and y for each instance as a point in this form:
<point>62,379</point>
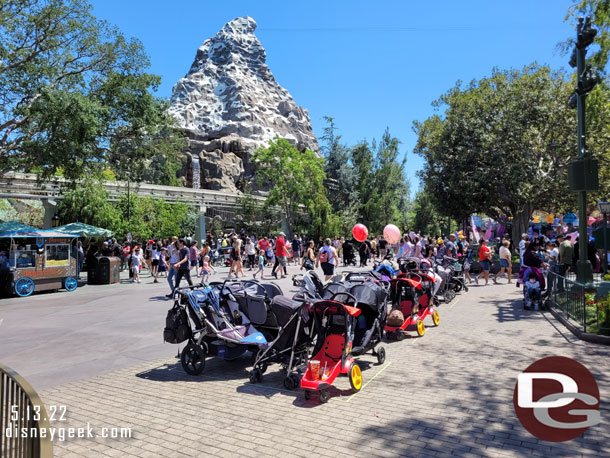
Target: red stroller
<point>404,293</point>
<point>335,323</point>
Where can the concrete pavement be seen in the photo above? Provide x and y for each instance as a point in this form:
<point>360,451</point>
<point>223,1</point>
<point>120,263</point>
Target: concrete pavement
<point>448,393</point>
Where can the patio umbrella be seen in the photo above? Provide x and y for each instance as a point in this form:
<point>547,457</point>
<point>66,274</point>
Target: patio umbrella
<point>84,230</point>
<point>15,226</point>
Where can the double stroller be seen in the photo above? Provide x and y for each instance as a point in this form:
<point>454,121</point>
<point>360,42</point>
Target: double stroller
<point>367,293</point>
<point>284,322</point>
<point>227,319</point>
<point>213,325</point>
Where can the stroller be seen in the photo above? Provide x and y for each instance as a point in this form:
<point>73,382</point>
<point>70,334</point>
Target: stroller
<point>218,327</point>
<point>292,343</point>
<point>334,322</point>
<point>529,298</point>
<point>371,298</point>
<point>457,282</point>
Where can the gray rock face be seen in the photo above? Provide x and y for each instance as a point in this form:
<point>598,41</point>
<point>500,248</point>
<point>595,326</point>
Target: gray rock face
<point>229,104</point>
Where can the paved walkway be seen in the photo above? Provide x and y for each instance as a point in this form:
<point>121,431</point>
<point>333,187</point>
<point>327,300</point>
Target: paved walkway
<point>448,393</point>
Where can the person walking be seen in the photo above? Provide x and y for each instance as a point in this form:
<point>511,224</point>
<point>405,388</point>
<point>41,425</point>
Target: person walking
<point>163,266</point>
<point>484,261</point>
<point>280,256</point>
<point>136,263</point>
<point>505,262</point>
<point>327,256</point>
<point>261,264</point>
<point>522,242</point>
<point>206,269</point>
<point>182,266</point>
<point>173,253</point>
<point>250,253</point>
<point>154,261</point>
<point>296,249</point>
<point>566,254</point>
<point>309,257</point>
<point>193,255</point>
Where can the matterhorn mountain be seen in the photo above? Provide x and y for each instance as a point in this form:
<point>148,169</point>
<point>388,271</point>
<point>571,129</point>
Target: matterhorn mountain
<point>229,105</point>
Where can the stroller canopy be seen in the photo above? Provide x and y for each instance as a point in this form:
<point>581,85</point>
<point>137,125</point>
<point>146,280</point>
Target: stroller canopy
<point>370,295</point>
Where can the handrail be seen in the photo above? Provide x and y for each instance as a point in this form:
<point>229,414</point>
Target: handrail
<point>16,391</point>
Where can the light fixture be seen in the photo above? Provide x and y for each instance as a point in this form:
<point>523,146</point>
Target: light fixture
<point>604,207</point>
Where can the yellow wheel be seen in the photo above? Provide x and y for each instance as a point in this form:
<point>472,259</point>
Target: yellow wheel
<point>421,328</point>
<point>355,377</point>
<point>436,318</point>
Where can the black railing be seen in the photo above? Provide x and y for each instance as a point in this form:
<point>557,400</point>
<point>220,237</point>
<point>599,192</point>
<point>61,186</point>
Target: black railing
<point>22,417</point>
<point>579,303</point>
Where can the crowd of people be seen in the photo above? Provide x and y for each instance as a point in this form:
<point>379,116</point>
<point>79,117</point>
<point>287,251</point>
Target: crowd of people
<point>177,258</point>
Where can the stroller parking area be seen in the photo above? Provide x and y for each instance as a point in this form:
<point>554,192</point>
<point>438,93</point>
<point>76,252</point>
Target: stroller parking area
<point>447,393</point>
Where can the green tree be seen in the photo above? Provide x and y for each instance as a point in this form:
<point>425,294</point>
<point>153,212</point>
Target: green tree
<point>339,171</point>
<point>88,203</point>
<point>425,218</point>
<point>295,179</point>
<point>382,186</point>
<point>73,90</point>
<point>501,146</point>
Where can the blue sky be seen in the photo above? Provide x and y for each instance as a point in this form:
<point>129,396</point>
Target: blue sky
<point>369,64</point>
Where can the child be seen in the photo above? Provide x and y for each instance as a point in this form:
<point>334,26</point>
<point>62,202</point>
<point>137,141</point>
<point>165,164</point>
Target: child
<point>261,264</point>
<point>532,291</point>
<point>136,262</point>
<point>162,266</point>
<point>205,270</point>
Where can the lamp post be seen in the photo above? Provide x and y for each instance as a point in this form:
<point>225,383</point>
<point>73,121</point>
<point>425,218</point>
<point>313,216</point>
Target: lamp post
<point>441,222</point>
<point>583,171</point>
<point>604,209</point>
<point>55,220</point>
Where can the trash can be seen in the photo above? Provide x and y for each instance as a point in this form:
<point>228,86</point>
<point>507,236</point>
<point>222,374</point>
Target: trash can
<point>108,270</point>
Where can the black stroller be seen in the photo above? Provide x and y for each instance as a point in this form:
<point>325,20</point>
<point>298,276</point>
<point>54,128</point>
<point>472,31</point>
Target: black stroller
<point>292,344</point>
<point>371,298</point>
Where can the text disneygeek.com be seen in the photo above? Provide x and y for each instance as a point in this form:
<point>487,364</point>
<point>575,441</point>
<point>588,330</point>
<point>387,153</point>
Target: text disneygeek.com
<point>60,434</point>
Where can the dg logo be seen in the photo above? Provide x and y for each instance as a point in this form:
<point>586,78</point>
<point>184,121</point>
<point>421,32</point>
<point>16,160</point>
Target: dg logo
<point>557,399</point>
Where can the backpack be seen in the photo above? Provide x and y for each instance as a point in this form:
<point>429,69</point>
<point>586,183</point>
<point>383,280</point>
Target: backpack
<point>395,318</point>
<point>324,256</point>
<point>177,327</point>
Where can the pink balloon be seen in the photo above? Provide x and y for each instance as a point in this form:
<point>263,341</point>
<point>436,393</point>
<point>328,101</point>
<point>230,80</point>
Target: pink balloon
<point>391,233</point>
<point>360,232</point>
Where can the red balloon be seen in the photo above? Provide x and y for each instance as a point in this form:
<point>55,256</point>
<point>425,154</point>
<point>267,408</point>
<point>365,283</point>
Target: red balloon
<point>360,232</point>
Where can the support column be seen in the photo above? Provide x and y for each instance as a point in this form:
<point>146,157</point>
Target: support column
<point>50,209</point>
<point>200,232</point>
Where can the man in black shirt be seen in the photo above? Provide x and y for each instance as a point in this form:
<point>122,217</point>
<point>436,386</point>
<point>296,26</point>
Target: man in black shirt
<point>182,267</point>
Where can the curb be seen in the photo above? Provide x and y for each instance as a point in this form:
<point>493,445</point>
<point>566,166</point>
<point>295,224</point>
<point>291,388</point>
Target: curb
<point>587,336</point>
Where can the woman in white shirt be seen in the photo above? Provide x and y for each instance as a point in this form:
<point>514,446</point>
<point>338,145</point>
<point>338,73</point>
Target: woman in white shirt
<point>505,261</point>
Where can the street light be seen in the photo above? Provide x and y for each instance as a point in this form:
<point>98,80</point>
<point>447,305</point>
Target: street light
<point>55,221</point>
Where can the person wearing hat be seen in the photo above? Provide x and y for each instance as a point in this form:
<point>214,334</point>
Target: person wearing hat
<point>440,251</point>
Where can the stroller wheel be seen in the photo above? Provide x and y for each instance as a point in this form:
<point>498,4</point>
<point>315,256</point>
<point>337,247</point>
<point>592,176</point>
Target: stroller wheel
<point>324,396</point>
<point>421,328</point>
<point>256,376</point>
<point>436,318</point>
<point>381,355</point>
<point>193,359</point>
<point>355,377</point>
<point>291,382</point>
<point>457,287</point>
<point>400,335</point>
<point>307,395</point>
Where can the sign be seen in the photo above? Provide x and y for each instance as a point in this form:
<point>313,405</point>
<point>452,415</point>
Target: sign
<point>557,399</point>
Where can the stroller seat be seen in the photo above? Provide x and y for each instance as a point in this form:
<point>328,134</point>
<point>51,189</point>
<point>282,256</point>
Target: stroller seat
<point>333,346</point>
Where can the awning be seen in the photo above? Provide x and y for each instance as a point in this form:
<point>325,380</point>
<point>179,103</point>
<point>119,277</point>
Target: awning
<point>84,230</point>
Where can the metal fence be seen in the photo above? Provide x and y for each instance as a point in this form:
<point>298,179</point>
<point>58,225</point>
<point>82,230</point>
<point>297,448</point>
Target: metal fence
<point>22,417</point>
<point>578,303</point>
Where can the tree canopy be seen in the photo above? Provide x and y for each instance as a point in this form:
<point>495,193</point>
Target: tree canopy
<point>74,95</point>
<point>501,146</point>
